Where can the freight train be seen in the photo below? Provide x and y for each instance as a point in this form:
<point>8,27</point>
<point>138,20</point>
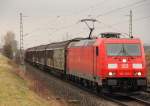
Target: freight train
<point>109,61</point>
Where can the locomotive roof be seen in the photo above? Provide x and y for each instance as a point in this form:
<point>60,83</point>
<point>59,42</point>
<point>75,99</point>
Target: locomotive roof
<point>121,40</point>
<point>89,42</point>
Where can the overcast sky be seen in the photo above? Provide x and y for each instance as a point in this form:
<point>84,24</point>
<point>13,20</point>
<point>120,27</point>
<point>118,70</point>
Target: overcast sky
<point>55,20</point>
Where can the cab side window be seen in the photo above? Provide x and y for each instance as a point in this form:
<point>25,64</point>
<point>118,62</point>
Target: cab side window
<point>97,51</point>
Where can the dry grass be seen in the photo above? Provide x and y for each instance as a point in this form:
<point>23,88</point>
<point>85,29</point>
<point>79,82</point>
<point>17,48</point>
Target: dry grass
<point>14,90</point>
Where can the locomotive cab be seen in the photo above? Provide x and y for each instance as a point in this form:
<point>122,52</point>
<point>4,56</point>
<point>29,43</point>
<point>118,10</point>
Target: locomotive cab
<point>124,64</point>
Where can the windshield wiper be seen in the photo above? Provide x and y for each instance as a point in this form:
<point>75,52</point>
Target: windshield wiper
<point>123,51</point>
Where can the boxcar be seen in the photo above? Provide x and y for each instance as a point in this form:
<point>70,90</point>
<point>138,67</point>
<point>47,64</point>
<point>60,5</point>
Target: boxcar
<point>30,55</point>
<point>56,56</point>
<point>40,56</point>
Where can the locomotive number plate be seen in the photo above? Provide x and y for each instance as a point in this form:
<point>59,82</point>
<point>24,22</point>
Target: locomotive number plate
<point>124,66</point>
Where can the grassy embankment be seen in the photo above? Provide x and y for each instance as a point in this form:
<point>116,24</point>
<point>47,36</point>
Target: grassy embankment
<point>14,90</point>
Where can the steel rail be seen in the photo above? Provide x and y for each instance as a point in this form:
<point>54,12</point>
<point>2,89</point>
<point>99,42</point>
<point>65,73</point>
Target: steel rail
<point>142,98</point>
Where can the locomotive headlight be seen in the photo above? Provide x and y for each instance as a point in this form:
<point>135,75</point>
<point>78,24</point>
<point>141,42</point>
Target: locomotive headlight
<point>111,73</point>
<point>137,66</point>
<point>112,66</point>
<point>139,73</point>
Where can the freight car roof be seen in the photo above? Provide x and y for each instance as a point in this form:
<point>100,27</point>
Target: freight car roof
<point>41,47</point>
<point>85,42</point>
<point>31,49</point>
<point>62,44</point>
<point>57,45</point>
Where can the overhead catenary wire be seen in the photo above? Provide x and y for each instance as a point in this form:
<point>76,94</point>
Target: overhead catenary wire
<point>105,25</point>
<point>116,29</point>
<point>112,27</point>
<point>135,20</point>
<point>120,8</point>
<point>65,27</point>
<point>139,2</point>
<point>102,2</point>
<point>55,30</point>
<point>142,18</point>
<point>40,28</point>
<point>121,22</point>
<point>141,5</point>
<point>90,7</point>
<point>103,13</point>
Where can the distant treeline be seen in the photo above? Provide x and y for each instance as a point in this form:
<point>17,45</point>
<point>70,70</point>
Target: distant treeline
<point>9,48</point>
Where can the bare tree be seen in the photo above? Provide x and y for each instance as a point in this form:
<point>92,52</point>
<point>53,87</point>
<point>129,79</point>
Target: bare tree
<point>10,45</point>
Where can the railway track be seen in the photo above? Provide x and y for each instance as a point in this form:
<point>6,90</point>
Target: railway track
<point>124,100</point>
<point>121,100</point>
<point>109,97</point>
<point>142,97</point>
<point>148,88</point>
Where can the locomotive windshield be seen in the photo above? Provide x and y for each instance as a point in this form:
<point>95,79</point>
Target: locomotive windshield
<point>123,49</point>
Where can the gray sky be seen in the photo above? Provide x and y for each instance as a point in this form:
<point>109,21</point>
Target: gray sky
<point>56,20</point>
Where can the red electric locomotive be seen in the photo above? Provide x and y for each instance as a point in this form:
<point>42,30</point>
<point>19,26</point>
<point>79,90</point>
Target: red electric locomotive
<point>108,61</point>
